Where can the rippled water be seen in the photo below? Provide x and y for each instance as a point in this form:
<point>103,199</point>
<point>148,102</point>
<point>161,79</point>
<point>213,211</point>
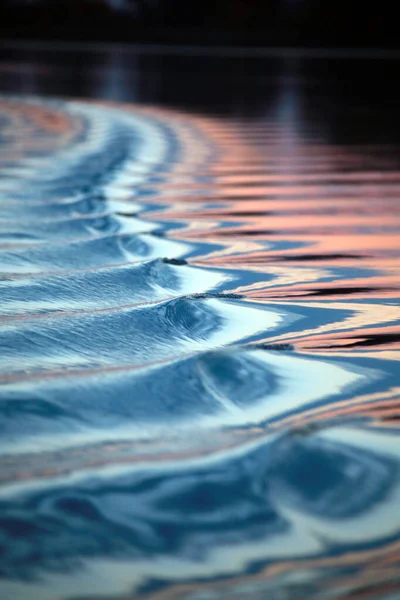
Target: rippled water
<point>199,357</point>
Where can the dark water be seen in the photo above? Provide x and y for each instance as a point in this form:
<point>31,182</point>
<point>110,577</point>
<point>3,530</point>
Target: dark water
<point>199,314</point>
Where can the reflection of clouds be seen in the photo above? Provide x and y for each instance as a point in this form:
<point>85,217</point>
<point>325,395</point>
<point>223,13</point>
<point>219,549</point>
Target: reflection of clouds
<point>137,445</point>
<point>250,391</point>
<point>293,498</point>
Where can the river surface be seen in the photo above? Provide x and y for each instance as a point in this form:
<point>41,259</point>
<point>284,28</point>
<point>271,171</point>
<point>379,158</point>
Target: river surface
<point>199,327</point>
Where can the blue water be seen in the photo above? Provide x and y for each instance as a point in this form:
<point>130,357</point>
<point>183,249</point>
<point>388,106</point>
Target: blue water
<point>199,365</point>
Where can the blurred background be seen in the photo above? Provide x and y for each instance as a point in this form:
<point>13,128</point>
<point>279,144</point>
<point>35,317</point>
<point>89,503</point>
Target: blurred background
<point>337,23</point>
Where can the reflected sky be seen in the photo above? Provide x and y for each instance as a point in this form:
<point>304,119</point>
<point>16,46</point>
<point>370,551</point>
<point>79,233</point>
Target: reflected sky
<point>199,326</point>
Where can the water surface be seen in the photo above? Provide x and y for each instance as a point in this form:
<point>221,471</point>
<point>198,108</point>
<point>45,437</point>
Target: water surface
<point>199,358</point>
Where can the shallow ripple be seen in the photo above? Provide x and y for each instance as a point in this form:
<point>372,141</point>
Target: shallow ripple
<point>199,357</point>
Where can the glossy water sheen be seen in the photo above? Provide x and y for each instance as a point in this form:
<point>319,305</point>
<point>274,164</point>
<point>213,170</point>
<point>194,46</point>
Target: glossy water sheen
<point>199,356</point>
